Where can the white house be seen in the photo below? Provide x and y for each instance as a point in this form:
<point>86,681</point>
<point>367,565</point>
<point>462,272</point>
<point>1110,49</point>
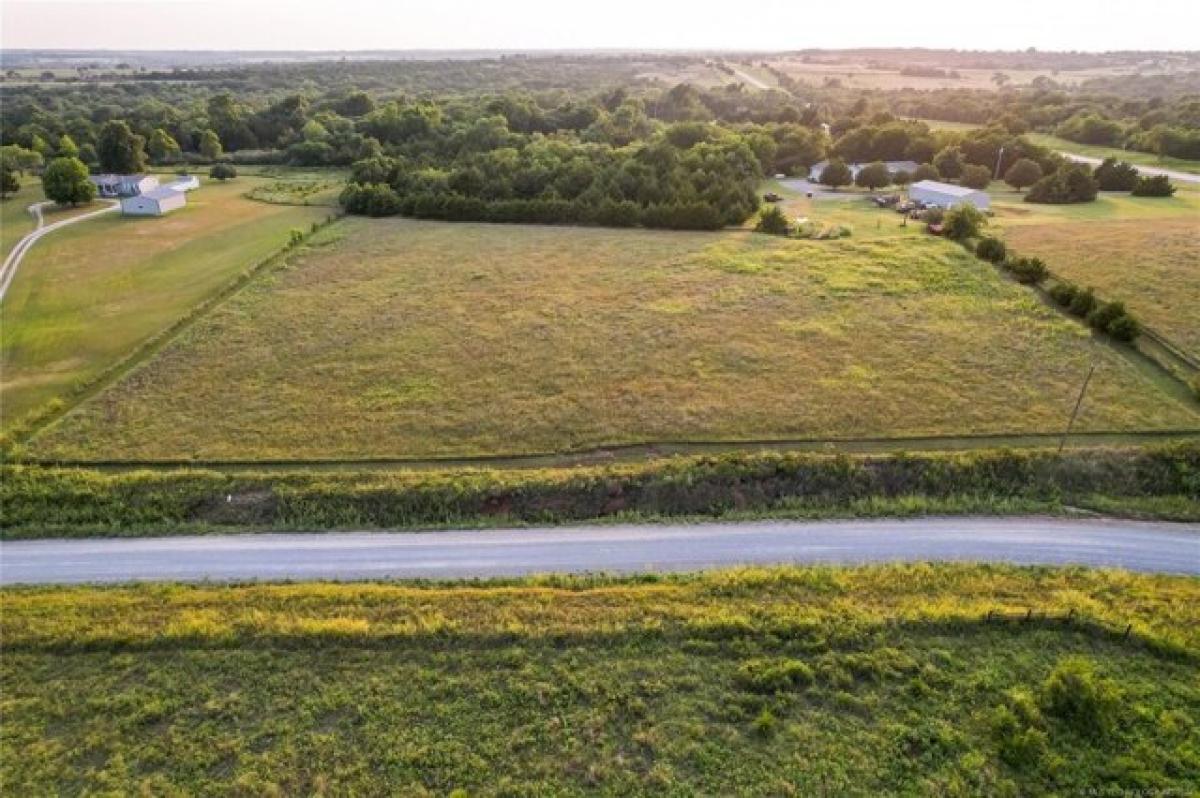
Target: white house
<point>946,195</point>
<point>184,183</point>
<point>155,202</point>
<point>123,185</point>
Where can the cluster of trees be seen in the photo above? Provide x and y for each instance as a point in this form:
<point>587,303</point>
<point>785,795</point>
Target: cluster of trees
<point>687,175</point>
<point>1107,317</point>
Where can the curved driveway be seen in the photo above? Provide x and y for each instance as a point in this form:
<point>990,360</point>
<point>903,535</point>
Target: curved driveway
<point>9,269</point>
<point>1171,548</point>
<point>1174,174</point>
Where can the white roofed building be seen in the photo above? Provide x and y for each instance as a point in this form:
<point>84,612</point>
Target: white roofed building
<point>947,195</point>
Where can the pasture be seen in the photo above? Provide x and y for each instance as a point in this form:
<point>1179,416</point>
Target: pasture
<point>86,296</point>
<point>405,338</point>
<point>1142,251</point>
<point>1132,156</point>
<point>786,681</point>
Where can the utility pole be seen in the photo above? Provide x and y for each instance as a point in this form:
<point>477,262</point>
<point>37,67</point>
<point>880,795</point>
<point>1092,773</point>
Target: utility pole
<point>1078,402</point>
<point>999,158</point>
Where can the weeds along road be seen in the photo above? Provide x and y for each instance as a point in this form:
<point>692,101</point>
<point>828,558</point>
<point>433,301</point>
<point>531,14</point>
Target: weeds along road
<point>9,269</point>
<point>464,554</point>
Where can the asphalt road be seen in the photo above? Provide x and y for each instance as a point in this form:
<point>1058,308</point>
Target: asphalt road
<point>1173,548</point>
<point>1181,177</point>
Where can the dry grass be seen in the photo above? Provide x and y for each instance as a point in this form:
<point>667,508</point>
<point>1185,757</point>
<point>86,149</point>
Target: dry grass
<point>1145,252</point>
<point>418,338</point>
<point>87,295</point>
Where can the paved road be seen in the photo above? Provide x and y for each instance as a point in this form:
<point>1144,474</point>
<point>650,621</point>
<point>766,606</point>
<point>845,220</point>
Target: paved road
<point>463,554</point>
<point>9,269</point>
<point>1182,177</point>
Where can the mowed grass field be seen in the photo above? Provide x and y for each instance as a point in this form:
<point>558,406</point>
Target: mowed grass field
<point>404,338</point>
<point>87,295</point>
<point>1142,251</point>
<point>816,681</point>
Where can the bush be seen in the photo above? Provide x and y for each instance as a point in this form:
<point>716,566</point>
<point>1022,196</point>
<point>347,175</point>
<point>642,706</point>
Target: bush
<point>1064,294</point>
<point>1123,328</point>
<point>1104,314</point>
<point>1071,183</point>
<point>1082,303</point>
<point>222,172</point>
<point>1153,186</point>
<point>773,221</point>
<point>962,222</point>
<point>1114,175</point>
<point>1078,696</point>
<point>1030,271</point>
<point>976,176</point>
<point>991,249</point>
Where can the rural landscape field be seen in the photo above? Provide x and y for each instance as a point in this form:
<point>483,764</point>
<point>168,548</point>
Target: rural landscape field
<point>394,403</point>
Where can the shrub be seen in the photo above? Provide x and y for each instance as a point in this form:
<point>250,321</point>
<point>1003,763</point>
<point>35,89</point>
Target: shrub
<point>963,222</point>
<point>1030,271</point>
<point>991,249</point>
<point>1153,186</point>
<point>223,172</point>
<point>1082,303</point>
<point>976,176</point>
<point>1104,314</point>
<point>773,675</point>
<point>1071,183</point>
<point>764,725</point>
<point>773,221</point>
<point>1078,696</point>
<point>1123,328</point>
<point>1114,175</point>
<point>933,215</point>
<point>1021,745</point>
<point>1064,294</point>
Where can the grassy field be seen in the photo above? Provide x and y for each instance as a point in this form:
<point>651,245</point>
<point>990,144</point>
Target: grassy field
<point>1143,251</point>
<point>402,338</point>
<point>1132,156</point>
<point>87,295</point>
<point>815,681</point>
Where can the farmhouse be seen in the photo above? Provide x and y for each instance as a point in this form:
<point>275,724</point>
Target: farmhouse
<point>155,202</point>
<point>946,195</point>
<point>123,185</point>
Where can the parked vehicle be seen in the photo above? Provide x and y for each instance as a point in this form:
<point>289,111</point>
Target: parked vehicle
<point>771,196</point>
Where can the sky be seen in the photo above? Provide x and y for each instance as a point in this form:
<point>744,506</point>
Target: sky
<point>626,24</point>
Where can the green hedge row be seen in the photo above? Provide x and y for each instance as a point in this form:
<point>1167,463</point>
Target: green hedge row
<point>35,500</point>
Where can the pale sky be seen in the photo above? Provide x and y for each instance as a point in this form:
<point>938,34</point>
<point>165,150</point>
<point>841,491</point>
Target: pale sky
<point>641,24</point>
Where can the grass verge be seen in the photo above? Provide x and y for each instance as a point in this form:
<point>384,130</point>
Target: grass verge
<point>38,501</point>
<point>905,680</point>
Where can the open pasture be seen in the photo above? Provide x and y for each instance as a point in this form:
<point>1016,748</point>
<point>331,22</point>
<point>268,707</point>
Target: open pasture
<point>404,338</point>
<point>87,295</point>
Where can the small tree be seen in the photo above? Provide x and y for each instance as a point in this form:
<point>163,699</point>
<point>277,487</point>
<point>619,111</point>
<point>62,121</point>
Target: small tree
<point>949,163</point>
<point>1023,173</point>
<point>925,171</point>
<point>873,175</point>
<point>163,147</point>
<point>902,177</point>
<point>9,184</point>
<point>991,249</point>
<point>773,221</point>
<point>1153,186</point>
<point>210,145</point>
<point>962,222</point>
<point>222,172</point>
<point>1114,175</point>
<point>119,149</point>
<point>66,182</point>
<point>976,176</point>
<point>67,147</point>
<point>835,174</point>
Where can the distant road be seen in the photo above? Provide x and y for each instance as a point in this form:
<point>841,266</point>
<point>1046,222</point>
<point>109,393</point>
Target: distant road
<point>748,78</point>
<point>1173,548</point>
<point>1182,177</point>
<point>9,269</point>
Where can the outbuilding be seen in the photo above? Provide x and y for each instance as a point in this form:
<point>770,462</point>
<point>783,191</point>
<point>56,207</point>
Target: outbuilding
<point>123,185</point>
<point>947,195</point>
<point>155,202</point>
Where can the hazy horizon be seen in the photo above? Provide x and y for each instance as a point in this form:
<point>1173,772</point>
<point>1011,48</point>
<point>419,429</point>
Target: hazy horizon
<point>619,25</point>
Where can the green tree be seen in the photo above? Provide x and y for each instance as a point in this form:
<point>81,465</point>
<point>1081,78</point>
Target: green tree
<point>20,159</point>
<point>119,149</point>
<point>162,147</point>
<point>1023,173</point>
<point>835,174</point>
<point>67,147</point>
<point>976,176</point>
<point>9,184</point>
<point>925,172</point>
<point>873,176</point>
<point>222,172</point>
<point>210,145</point>
<point>66,182</point>
<point>949,163</point>
<point>962,222</point>
<point>773,221</point>
<point>1114,175</point>
<point>1153,186</point>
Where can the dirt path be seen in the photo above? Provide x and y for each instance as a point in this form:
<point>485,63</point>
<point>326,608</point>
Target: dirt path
<point>9,269</point>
